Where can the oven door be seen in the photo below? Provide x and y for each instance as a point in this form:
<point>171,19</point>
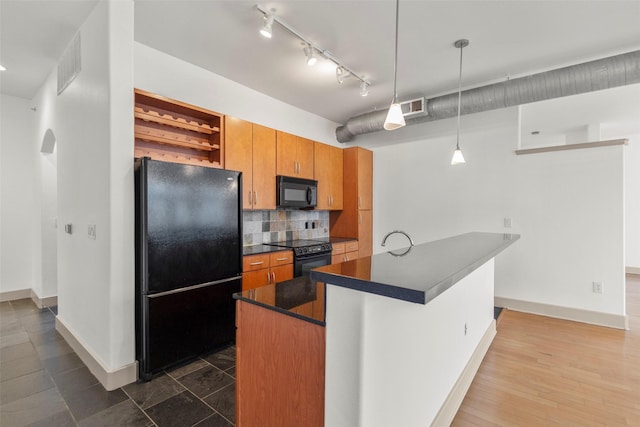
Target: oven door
<point>303,264</point>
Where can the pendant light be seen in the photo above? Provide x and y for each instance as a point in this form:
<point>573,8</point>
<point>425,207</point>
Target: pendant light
<point>458,158</point>
<point>395,119</point>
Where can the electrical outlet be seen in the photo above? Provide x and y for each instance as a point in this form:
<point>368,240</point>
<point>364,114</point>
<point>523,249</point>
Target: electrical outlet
<point>598,288</point>
<point>91,231</point>
<point>507,223</point>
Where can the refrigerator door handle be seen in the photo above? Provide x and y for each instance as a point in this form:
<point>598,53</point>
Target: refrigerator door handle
<point>188,288</point>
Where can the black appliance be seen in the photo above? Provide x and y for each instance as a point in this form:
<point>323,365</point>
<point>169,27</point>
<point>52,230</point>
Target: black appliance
<point>296,192</point>
<point>307,254</point>
<point>188,261</point>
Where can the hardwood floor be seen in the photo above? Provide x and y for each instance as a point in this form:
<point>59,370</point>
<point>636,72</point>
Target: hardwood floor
<point>542,371</point>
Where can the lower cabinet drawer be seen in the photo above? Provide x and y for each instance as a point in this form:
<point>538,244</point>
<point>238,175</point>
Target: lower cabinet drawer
<point>255,278</point>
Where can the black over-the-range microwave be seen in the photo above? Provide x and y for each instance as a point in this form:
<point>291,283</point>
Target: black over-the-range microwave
<point>296,192</point>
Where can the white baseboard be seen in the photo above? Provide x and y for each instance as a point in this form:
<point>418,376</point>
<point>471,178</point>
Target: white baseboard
<point>28,293</point>
<point>632,270</point>
<point>450,407</point>
<point>110,380</point>
<point>43,302</point>
<point>14,295</point>
<point>617,321</point>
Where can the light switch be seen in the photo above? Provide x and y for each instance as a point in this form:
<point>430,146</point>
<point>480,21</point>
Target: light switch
<point>92,231</point>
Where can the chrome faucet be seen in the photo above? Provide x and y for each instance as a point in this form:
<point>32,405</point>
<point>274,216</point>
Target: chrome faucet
<point>384,240</point>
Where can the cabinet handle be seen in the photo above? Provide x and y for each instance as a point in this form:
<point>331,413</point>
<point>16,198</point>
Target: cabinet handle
<point>250,199</point>
<point>268,277</point>
<point>257,263</point>
<point>274,277</point>
<point>255,197</point>
<point>359,218</point>
<point>282,259</point>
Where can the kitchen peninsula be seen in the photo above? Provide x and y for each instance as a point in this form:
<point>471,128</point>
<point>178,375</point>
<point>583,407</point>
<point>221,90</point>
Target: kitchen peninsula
<point>402,336</point>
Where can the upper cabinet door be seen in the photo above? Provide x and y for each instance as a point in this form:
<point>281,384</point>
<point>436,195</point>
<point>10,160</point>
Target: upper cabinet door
<point>328,165</point>
<point>264,167</point>
<point>304,154</point>
<point>336,177</point>
<point>287,162</point>
<point>238,154</point>
<point>365,179</point>
<point>294,156</point>
<point>322,164</point>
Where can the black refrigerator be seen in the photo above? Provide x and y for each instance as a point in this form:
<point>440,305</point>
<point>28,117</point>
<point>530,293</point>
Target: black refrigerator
<point>188,261</point>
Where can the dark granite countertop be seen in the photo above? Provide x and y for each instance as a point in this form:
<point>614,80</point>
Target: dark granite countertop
<point>420,273</point>
<point>261,249</point>
<point>299,297</point>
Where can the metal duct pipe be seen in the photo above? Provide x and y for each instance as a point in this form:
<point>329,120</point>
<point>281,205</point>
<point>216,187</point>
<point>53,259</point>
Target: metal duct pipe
<point>614,71</point>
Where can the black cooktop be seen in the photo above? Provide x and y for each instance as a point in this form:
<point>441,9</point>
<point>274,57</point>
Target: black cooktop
<point>305,247</point>
<point>301,243</point>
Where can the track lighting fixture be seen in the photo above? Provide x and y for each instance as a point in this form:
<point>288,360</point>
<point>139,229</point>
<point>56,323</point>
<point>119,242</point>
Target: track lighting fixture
<point>458,158</point>
<point>311,58</point>
<point>311,50</point>
<point>395,119</point>
<point>267,24</point>
<point>341,74</point>
<point>364,89</point>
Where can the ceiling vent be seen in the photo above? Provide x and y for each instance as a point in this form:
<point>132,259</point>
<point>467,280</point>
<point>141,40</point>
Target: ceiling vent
<point>414,108</point>
<point>70,64</point>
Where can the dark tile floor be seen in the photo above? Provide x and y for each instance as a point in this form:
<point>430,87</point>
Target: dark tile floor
<point>44,383</point>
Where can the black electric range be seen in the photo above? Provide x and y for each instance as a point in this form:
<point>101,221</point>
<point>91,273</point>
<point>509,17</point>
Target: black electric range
<point>307,254</point>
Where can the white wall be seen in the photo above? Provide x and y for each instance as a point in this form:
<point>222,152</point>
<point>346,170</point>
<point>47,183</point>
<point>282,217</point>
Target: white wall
<point>18,197</point>
<point>166,75</point>
<point>568,206</point>
<point>632,203</point>
<point>93,125</point>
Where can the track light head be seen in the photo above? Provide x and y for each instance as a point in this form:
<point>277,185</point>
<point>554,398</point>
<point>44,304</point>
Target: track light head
<point>341,74</point>
<point>267,25</point>
<point>364,89</point>
<point>311,57</point>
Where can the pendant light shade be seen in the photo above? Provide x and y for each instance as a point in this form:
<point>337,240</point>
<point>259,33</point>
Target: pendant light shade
<point>395,119</point>
<point>458,158</point>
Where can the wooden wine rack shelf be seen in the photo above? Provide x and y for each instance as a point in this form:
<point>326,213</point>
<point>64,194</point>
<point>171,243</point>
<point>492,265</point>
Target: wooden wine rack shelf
<point>173,131</point>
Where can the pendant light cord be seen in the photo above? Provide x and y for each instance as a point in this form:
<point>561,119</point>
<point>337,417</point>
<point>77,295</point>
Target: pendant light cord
<point>395,60</point>
<point>459,99</point>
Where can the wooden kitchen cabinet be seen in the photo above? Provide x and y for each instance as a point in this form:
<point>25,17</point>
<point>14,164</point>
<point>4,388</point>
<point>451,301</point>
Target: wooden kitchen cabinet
<point>343,252</point>
<point>251,149</point>
<point>177,132</point>
<point>294,155</point>
<point>328,167</point>
<point>280,369</point>
<point>356,219</point>
<point>365,233</point>
<point>266,269</point>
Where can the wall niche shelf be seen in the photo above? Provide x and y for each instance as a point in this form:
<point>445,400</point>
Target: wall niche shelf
<point>174,131</point>
<point>581,146</point>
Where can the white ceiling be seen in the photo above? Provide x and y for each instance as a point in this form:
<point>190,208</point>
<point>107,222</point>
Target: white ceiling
<point>508,38</point>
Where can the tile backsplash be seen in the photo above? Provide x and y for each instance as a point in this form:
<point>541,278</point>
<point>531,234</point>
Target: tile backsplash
<point>275,226</point>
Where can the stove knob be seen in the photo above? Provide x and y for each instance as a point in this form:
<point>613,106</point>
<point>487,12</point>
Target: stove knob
<point>305,250</point>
